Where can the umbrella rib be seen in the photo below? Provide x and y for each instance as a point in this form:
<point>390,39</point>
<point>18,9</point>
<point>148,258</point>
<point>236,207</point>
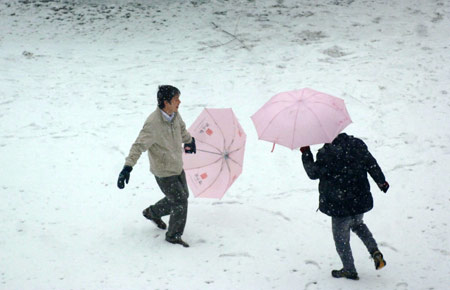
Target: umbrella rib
<point>295,127</point>
<point>229,171</point>
<point>206,164</point>
<point>220,129</point>
<point>320,102</point>
<point>235,150</point>
<point>326,104</point>
<point>293,96</point>
<point>318,120</point>
<point>311,96</point>
<point>317,93</point>
<point>234,135</point>
<point>235,161</point>
<point>217,177</point>
<point>280,101</point>
<point>219,152</point>
<point>271,121</point>
<point>314,101</point>
<point>206,151</point>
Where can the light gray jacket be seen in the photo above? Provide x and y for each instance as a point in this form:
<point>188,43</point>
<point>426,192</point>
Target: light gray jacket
<point>162,139</point>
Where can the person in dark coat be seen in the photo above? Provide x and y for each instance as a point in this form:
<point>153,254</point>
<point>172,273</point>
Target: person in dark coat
<point>344,194</point>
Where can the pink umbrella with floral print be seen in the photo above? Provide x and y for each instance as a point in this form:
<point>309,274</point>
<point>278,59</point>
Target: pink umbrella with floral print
<point>301,118</point>
<point>220,142</point>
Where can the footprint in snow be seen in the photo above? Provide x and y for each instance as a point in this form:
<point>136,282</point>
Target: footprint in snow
<point>233,255</point>
<point>401,286</point>
<point>307,286</point>
<point>386,245</point>
<point>311,262</point>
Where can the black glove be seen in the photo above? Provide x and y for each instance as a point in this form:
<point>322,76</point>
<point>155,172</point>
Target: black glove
<point>190,147</point>
<point>383,186</point>
<point>124,176</point>
<point>305,149</point>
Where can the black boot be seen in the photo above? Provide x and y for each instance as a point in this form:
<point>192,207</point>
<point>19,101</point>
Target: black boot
<point>345,274</point>
<point>377,257</point>
<point>177,240</point>
<point>147,213</point>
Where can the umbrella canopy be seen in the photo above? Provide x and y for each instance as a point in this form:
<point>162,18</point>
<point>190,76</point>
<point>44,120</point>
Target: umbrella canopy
<point>220,142</point>
<point>301,118</point>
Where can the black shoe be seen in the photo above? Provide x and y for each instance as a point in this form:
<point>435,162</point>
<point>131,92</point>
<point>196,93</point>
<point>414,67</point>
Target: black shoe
<point>147,213</point>
<point>344,274</point>
<point>177,240</point>
<point>377,257</point>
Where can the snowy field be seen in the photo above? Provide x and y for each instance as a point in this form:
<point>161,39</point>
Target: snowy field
<point>78,79</point>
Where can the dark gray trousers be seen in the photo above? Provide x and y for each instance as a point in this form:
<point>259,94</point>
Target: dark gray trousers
<point>174,203</point>
<point>341,233</point>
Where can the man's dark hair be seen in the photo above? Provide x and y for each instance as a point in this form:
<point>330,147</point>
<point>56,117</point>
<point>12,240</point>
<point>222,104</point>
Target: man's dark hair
<point>166,93</point>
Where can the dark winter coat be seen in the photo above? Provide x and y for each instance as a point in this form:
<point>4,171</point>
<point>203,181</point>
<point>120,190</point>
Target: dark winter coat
<point>342,168</point>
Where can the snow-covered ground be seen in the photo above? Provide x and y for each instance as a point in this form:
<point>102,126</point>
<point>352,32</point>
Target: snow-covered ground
<point>78,79</point>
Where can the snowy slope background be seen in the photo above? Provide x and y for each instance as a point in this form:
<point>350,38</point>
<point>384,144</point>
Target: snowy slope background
<point>78,79</point>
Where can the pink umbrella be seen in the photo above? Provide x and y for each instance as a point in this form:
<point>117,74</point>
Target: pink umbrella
<point>301,118</point>
<point>220,142</point>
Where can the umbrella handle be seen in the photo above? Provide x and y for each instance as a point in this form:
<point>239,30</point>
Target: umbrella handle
<point>273,147</point>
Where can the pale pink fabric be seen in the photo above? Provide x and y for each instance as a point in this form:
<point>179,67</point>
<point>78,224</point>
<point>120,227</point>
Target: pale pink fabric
<point>301,118</point>
<point>220,142</point>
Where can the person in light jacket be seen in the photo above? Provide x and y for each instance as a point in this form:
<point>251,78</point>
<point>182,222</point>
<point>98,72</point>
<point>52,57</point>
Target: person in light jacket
<point>162,135</point>
<point>344,194</point>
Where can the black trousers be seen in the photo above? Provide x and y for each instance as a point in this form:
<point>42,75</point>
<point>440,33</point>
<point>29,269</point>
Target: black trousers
<point>175,203</point>
<point>341,233</point>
